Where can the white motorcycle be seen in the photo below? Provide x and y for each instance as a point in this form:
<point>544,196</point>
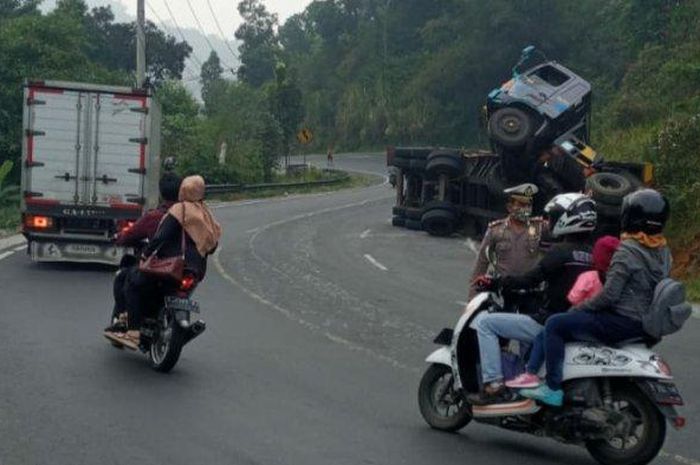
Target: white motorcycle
<point>616,399</point>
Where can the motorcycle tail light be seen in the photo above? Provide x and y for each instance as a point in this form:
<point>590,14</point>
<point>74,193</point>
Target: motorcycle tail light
<point>187,283</point>
<point>124,225</point>
<point>679,422</point>
<point>663,367</point>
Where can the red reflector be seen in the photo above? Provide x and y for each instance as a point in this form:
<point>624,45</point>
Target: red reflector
<point>679,422</point>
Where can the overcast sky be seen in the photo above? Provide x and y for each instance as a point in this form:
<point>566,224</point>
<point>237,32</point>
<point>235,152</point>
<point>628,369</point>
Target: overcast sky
<point>226,14</point>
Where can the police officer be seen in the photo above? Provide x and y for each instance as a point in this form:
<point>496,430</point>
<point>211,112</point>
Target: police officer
<point>515,238</point>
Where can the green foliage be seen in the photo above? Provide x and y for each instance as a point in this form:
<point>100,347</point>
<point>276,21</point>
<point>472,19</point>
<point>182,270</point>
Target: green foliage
<point>677,160</point>
<point>258,49</point>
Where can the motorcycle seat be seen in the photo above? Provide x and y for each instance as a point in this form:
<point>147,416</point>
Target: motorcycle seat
<point>646,340</point>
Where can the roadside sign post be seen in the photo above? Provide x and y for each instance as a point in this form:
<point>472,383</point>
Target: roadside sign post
<point>305,136</point>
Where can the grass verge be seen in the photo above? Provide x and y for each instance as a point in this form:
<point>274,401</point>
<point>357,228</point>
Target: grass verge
<point>9,220</point>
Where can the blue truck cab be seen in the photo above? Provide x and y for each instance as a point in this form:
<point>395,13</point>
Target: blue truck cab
<point>542,101</point>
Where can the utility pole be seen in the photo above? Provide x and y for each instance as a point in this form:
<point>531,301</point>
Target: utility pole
<point>140,44</point>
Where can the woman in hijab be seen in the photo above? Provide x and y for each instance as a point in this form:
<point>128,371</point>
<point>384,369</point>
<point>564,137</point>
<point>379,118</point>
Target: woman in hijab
<point>202,233</point>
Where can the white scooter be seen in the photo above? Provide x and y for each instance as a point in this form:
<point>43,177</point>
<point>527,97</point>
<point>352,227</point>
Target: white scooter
<point>616,399</point>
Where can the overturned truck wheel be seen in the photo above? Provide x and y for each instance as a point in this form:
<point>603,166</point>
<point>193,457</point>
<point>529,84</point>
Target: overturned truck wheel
<point>439,219</point>
<point>445,162</point>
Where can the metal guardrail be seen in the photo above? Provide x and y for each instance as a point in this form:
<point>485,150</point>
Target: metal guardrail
<point>232,188</point>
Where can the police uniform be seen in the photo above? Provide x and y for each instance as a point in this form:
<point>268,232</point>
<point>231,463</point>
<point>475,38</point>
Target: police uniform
<point>517,249</point>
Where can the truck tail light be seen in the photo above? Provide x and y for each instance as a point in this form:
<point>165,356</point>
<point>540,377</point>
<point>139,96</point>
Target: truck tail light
<point>38,222</point>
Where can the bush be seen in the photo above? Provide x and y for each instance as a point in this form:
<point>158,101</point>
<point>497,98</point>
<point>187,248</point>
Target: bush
<point>677,160</point>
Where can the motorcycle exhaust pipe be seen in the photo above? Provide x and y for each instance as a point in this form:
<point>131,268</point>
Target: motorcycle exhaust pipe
<point>194,330</point>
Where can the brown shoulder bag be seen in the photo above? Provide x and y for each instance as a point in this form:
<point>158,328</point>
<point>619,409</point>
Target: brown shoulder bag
<point>166,269</point>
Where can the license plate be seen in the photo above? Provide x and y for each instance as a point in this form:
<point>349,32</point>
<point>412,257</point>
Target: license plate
<point>178,303</point>
<point>83,249</point>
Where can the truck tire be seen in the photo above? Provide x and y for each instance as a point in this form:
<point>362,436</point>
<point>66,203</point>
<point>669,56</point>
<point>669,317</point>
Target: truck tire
<point>398,221</point>
<point>399,211</point>
<point>445,162</point>
<point>510,127</point>
<point>413,214</point>
<point>413,225</point>
<point>439,219</point>
<point>609,188</point>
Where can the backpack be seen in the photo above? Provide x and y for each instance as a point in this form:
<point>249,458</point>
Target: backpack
<point>668,310</point>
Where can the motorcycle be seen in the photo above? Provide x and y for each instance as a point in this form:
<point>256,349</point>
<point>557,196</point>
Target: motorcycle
<point>164,334</point>
<point>616,399</point>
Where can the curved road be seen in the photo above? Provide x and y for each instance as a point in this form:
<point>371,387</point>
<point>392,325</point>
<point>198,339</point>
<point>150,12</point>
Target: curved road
<point>320,314</point>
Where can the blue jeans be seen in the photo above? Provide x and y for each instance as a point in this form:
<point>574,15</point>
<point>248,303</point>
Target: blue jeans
<point>489,326</point>
<point>603,327</point>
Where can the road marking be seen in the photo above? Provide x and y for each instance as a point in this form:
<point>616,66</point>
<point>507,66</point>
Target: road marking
<point>365,234</point>
<point>374,262</point>
<point>471,244</point>
<point>307,324</point>
<point>462,304</point>
<point>696,310</point>
<point>251,231</point>
<point>20,248</point>
<point>5,254</point>
<point>678,458</point>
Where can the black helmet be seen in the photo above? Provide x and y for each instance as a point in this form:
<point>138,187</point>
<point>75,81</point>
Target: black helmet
<point>169,186</point>
<point>644,211</point>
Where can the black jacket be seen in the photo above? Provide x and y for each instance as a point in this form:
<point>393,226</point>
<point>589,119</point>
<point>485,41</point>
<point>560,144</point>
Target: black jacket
<point>559,268</point>
<point>167,242</point>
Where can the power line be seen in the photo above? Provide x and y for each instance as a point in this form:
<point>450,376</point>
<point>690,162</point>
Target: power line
<point>218,26</point>
<point>170,12</point>
<point>190,76</point>
<point>201,29</point>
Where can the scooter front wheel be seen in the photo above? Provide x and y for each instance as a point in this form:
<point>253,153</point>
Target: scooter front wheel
<point>442,407</point>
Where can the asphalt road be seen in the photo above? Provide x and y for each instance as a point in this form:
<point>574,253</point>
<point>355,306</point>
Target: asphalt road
<point>320,314</point>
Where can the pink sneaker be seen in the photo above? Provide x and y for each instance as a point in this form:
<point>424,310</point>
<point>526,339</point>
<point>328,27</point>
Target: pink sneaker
<point>524,381</point>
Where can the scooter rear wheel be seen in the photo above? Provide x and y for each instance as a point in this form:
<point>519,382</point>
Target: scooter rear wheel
<point>644,435</point>
<point>441,406</point>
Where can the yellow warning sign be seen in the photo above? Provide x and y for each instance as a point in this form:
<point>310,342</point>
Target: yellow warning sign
<point>305,136</point>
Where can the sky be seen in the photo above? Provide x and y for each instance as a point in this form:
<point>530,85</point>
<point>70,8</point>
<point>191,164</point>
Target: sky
<point>220,35</point>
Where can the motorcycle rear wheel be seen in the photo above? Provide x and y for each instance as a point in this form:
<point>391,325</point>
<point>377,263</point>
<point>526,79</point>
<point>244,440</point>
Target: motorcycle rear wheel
<point>645,439</point>
<point>165,350</point>
<point>442,407</point>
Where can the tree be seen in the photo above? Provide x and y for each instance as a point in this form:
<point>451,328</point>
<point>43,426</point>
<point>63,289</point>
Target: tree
<point>259,47</point>
<point>212,82</point>
<point>286,105</point>
<point>14,8</point>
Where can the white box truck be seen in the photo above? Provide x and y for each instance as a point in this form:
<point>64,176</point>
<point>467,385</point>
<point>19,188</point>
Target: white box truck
<point>90,166</point>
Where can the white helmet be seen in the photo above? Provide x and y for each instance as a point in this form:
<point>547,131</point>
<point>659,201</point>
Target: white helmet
<point>571,213</point>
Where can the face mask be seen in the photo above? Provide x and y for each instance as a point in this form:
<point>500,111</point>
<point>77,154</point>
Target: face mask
<point>522,214</point>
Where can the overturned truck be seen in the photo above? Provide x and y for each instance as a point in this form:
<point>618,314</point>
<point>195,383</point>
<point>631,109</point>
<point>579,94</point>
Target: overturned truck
<point>538,124</point>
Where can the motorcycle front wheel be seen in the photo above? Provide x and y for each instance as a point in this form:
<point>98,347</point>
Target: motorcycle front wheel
<point>165,350</point>
<point>637,439</point>
<point>442,407</point>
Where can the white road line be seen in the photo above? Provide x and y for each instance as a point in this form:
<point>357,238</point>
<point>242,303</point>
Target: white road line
<point>461,304</point>
<point>678,458</point>
<point>20,248</point>
<point>5,254</point>
<point>471,244</point>
<point>251,231</point>
<point>374,262</point>
<point>307,324</point>
<point>365,234</point>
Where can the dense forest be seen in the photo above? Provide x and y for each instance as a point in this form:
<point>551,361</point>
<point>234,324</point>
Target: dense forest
<point>367,73</point>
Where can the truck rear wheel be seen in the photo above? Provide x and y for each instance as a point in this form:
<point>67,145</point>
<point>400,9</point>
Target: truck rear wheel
<point>439,219</point>
<point>510,127</point>
<point>445,162</point>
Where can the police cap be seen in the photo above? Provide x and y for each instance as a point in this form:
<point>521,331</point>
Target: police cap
<point>524,192</point>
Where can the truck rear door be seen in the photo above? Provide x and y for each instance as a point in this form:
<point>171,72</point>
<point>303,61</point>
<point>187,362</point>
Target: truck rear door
<point>85,147</point>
